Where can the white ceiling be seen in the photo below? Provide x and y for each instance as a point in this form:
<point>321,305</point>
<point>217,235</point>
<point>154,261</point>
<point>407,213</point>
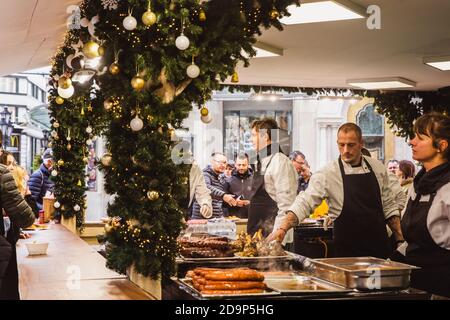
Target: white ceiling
<point>315,55</point>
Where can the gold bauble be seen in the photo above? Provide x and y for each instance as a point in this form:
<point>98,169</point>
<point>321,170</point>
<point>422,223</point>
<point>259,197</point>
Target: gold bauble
<point>148,18</point>
<point>79,183</point>
<point>235,77</point>
<point>64,82</point>
<point>85,159</point>
<point>59,100</point>
<point>114,68</point>
<point>90,49</point>
<point>60,162</point>
<point>274,14</point>
<point>107,104</point>
<point>204,111</point>
<point>101,51</point>
<point>202,15</point>
<point>106,159</point>
<point>153,195</point>
<point>108,228</point>
<point>69,146</point>
<point>137,83</point>
<point>172,6</point>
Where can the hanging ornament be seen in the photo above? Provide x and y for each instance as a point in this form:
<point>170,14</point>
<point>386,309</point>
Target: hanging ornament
<point>129,22</point>
<point>204,111</point>
<point>89,129</point>
<point>89,142</point>
<point>90,49</point>
<point>201,15</point>
<point>66,93</point>
<point>274,14</point>
<point>82,111</point>
<point>235,77</point>
<point>76,207</point>
<point>137,83</point>
<point>106,159</point>
<point>193,70</point>
<point>79,183</point>
<point>69,147</point>
<point>182,42</point>
<point>94,138</point>
<point>107,104</point>
<point>54,172</point>
<point>50,144</point>
<point>85,159</point>
<point>114,68</point>
<point>57,204</point>
<point>64,82</point>
<point>54,134</point>
<point>68,139</point>
<point>172,5</point>
<point>60,162</point>
<point>101,51</point>
<point>149,17</point>
<point>110,4</point>
<point>153,195</point>
<point>136,124</point>
<point>56,124</point>
<point>206,119</point>
<point>59,100</point>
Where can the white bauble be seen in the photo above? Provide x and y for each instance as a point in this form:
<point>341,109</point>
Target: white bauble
<point>76,207</point>
<point>56,124</point>
<point>89,142</point>
<point>193,71</point>
<point>89,129</point>
<point>182,42</point>
<point>54,173</point>
<point>57,204</point>
<point>130,23</point>
<point>136,124</point>
<point>66,93</point>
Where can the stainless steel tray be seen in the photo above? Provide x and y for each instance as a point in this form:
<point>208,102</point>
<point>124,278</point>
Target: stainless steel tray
<point>238,258</point>
<point>363,273</point>
<point>302,283</point>
<point>267,292</point>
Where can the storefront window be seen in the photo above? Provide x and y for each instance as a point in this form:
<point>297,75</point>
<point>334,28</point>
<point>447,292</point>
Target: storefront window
<point>372,126</point>
<point>237,137</point>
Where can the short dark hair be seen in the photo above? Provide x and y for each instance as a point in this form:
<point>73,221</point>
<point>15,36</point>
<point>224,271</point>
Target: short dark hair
<point>407,168</point>
<point>436,126</point>
<point>294,154</point>
<point>242,156</point>
<point>267,124</point>
<point>350,126</point>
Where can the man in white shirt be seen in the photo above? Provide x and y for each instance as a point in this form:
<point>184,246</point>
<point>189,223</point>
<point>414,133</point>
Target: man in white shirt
<point>274,182</point>
<point>360,200</point>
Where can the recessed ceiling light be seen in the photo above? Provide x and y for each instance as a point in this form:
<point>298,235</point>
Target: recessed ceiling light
<point>382,83</point>
<point>441,63</point>
<point>324,11</point>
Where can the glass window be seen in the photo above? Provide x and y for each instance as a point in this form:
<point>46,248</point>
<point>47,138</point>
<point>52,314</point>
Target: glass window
<point>23,85</point>
<point>91,169</point>
<point>372,127</point>
<point>7,84</point>
<point>237,137</point>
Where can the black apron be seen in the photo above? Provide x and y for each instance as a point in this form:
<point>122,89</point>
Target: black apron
<point>262,209</point>
<point>422,251</point>
<point>360,229</point>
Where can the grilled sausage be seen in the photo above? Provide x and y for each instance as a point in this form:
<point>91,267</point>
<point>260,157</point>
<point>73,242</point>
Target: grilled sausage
<point>233,285</point>
<point>246,291</point>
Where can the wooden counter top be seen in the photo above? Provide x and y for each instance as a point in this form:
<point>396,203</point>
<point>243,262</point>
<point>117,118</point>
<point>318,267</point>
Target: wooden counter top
<point>70,270</point>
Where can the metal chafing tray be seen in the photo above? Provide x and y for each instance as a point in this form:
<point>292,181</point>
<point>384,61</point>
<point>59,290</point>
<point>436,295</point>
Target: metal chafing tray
<point>302,283</point>
<point>363,273</point>
<point>236,258</point>
<point>268,292</point>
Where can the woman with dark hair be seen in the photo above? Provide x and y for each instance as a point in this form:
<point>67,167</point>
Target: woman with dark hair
<point>405,174</point>
<point>426,221</point>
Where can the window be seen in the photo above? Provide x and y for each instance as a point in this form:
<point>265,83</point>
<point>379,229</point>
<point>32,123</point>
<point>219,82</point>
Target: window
<point>237,124</point>
<point>372,126</point>
<point>8,84</point>
<point>91,169</point>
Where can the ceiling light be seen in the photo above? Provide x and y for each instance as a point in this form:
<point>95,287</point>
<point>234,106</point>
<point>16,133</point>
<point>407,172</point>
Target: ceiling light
<point>266,96</point>
<point>322,11</point>
<point>382,83</point>
<point>441,63</point>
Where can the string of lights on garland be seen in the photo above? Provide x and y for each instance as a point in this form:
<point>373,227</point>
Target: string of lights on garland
<point>141,65</point>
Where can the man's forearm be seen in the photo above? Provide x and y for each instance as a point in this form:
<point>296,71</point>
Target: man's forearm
<point>394,225</point>
<point>289,221</point>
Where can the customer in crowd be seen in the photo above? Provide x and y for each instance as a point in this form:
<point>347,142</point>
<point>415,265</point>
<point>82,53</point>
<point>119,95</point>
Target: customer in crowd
<point>40,182</point>
<point>298,160</point>
<point>274,182</point>
<point>360,201</point>
<point>199,193</point>
<point>392,166</point>
<point>218,194</point>
<point>229,169</point>
<point>17,215</point>
<point>426,220</point>
<point>240,185</point>
<point>305,176</point>
<point>405,174</point>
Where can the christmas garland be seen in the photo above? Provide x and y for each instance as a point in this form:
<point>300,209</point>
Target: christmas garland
<point>144,65</point>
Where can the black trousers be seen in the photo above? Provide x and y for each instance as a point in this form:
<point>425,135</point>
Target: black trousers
<point>9,289</point>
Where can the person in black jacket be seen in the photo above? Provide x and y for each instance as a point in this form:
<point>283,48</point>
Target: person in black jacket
<point>39,182</point>
<point>240,185</point>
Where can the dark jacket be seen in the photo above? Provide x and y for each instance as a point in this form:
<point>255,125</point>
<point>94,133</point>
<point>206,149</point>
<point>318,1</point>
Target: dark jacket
<point>239,185</point>
<point>217,188</point>
<point>39,183</point>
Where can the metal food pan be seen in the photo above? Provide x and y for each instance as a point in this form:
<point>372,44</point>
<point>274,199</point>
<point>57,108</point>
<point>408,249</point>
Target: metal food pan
<point>302,283</point>
<point>363,273</point>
